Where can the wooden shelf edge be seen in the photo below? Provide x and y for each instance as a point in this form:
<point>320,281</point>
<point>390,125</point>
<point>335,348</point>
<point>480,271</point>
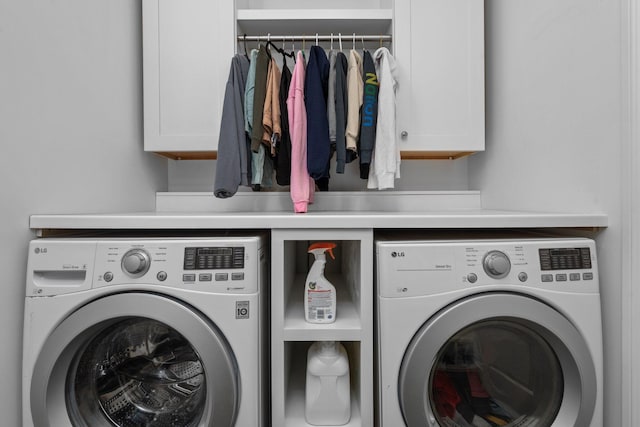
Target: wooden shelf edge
<point>406,155</point>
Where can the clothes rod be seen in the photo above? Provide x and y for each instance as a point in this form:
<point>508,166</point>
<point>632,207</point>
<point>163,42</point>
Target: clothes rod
<point>314,37</point>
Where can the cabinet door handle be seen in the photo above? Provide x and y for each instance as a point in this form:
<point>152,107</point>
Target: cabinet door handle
<point>404,134</point>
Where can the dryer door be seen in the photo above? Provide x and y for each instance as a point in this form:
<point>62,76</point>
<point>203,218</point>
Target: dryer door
<point>498,359</point>
<point>135,359</point>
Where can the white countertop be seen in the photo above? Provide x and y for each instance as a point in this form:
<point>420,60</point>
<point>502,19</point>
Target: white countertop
<point>337,210</point>
<point>459,218</point>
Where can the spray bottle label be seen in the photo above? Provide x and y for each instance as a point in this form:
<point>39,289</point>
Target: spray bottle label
<point>319,304</point>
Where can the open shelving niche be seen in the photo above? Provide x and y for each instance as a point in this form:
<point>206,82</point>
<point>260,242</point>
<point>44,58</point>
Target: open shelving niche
<point>352,275</point>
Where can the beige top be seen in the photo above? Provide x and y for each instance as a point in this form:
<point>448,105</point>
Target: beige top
<point>354,98</point>
<point>271,111</point>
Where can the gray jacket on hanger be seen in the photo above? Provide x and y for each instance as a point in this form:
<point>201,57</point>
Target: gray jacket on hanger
<point>231,166</point>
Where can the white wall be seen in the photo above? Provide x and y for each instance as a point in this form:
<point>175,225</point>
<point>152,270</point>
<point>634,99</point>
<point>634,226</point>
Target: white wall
<point>199,175</point>
<point>556,82</point>
<point>71,136</point>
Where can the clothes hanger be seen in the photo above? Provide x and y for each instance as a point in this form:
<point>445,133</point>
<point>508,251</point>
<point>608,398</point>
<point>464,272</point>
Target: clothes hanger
<point>271,44</point>
<point>340,40</point>
<point>354,41</point>
<point>244,42</point>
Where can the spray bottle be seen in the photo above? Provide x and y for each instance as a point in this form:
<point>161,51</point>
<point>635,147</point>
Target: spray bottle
<point>319,293</point>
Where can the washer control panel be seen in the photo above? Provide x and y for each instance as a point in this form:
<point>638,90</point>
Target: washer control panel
<point>209,265</point>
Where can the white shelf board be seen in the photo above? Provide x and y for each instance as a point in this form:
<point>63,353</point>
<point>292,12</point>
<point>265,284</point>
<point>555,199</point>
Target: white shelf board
<point>347,327</point>
<point>311,21</point>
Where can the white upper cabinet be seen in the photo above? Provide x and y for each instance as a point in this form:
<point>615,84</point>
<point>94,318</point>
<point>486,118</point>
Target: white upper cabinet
<point>438,46</point>
<point>187,50</point>
<point>439,50</point>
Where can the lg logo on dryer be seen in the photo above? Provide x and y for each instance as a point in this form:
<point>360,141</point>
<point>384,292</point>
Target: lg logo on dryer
<point>395,254</point>
<point>40,251</point>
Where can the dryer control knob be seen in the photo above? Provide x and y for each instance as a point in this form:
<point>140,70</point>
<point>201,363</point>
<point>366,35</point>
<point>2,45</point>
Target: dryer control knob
<point>496,264</point>
<point>136,262</point>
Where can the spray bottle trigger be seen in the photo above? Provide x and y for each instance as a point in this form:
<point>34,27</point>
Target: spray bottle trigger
<point>324,246</point>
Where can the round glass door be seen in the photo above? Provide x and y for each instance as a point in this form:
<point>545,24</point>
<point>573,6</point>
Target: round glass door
<point>137,372</point>
<point>496,373</point>
<point>135,359</point>
<point>497,359</point>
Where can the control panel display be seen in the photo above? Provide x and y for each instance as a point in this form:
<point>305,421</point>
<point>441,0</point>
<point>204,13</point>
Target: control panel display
<point>565,258</point>
<point>213,258</point>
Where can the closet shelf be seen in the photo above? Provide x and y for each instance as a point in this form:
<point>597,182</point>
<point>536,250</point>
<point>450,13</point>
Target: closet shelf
<point>405,155</point>
<point>310,21</point>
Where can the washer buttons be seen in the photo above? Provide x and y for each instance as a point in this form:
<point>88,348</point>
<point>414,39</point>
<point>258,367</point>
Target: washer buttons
<point>161,276</point>
<point>472,278</point>
<point>522,276</point>
<point>108,276</point>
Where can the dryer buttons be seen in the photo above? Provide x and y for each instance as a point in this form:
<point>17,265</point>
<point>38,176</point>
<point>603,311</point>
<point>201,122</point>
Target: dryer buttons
<point>472,277</point>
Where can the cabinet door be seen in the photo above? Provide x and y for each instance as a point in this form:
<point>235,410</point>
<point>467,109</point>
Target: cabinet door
<point>187,50</point>
<point>439,48</point>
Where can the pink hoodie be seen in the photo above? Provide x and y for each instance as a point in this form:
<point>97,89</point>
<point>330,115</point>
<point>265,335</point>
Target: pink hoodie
<point>302,185</point>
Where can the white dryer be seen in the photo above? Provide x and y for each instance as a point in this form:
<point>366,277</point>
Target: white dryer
<point>489,333</point>
<point>136,332</point>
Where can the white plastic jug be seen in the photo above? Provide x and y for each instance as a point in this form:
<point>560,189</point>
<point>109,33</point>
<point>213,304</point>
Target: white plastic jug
<point>327,392</point>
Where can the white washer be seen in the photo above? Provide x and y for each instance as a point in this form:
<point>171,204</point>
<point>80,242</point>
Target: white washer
<point>489,332</point>
<point>156,331</point>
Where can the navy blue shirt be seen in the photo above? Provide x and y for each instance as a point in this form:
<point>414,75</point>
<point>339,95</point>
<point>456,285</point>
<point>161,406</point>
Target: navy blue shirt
<point>315,99</point>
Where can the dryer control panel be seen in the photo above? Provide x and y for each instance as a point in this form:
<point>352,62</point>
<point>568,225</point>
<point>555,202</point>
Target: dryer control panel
<point>413,268</point>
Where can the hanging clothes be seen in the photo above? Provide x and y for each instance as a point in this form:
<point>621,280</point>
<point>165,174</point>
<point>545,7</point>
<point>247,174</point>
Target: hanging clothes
<point>282,160</point>
<point>231,170</point>
<point>270,122</point>
<point>385,165</point>
<point>248,93</point>
<point>341,111</point>
<point>354,97</point>
<point>331,96</point>
<point>369,114</point>
<point>259,93</point>
<point>248,111</point>
<point>302,185</point>
<point>262,69</point>
<point>271,111</point>
<point>315,95</point>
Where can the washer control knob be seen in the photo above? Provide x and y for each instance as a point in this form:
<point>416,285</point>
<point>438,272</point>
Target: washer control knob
<point>136,262</point>
<point>496,264</point>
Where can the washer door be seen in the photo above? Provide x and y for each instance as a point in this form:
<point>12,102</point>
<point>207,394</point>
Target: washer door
<point>498,359</point>
<point>135,359</point>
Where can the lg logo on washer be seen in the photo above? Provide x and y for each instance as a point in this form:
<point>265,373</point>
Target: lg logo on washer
<point>40,251</point>
<point>395,254</point>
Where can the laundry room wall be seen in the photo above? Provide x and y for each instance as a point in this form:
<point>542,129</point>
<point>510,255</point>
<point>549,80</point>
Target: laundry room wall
<point>556,141</point>
<point>71,136</point>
